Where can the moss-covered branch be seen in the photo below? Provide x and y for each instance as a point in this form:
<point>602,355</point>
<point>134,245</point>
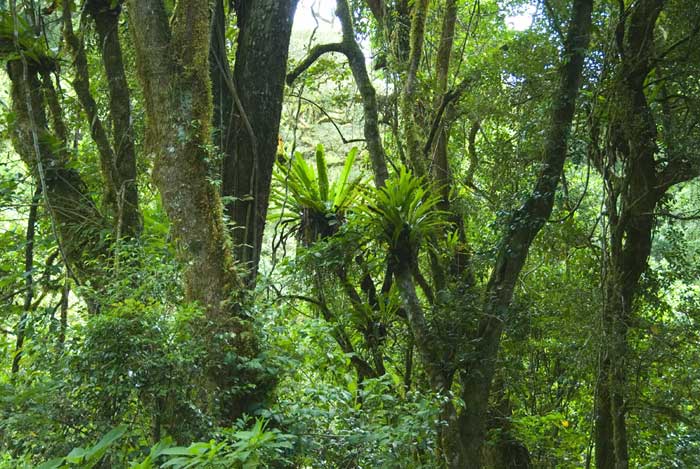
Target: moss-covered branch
<point>411,128</point>
<point>106,20</point>
<point>356,59</point>
<point>81,85</point>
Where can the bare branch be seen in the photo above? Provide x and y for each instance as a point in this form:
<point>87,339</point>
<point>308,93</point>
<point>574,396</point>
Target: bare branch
<point>313,56</point>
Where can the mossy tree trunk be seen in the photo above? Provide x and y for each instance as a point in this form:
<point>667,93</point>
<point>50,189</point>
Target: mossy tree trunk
<point>117,156</point>
<point>76,220</point>
<point>172,58</point>
<point>40,137</point>
<point>106,17</point>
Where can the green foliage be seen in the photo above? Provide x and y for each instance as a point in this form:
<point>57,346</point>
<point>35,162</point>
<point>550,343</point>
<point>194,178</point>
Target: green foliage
<point>308,205</point>
<point>86,458</point>
<point>129,384</point>
<point>244,449</point>
<point>33,48</point>
<point>142,358</point>
<point>404,213</point>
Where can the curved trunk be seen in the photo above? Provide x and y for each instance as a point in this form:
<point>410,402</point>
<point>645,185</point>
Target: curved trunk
<point>525,224</point>
<point>75,218</point>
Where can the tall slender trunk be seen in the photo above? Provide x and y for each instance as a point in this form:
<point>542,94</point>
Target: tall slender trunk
<point>630,207</point>
<point>525,224</point>
<point>409,118</point>
<point>604,447</point>
<point>106,17</point>
<point>356,60</point>
<point>28,278</point>
<point>440,166</point>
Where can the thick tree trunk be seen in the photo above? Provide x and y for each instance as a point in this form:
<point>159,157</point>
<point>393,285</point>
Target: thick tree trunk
<point>251,139</point>
<point>75,218</point>
<point>174,73</point>
<point>178,107</point>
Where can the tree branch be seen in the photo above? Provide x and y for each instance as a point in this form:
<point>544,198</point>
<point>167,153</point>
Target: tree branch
<point>81,85</point>
<point>447,98</point>
<point>356,60</point>
<point>313,56</point>
<point>320,108</point>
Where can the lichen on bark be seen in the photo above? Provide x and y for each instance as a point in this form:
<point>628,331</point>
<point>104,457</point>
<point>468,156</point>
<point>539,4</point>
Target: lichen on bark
<point>174,73</point>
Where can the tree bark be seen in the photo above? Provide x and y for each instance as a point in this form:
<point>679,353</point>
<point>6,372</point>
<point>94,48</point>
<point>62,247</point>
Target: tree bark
<point>411,127</point>
<point>440,166</point>
<point>250,134</point>
<point>81,85</point>
<point>174,73</point>
<point>75,219</point>
<point>106,20</point>
<point>630,207</point>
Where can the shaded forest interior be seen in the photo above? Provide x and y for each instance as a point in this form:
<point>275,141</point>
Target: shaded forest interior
<point>350,234</point>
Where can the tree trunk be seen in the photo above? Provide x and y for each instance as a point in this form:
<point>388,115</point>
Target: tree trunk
<point>409,117</point>
<point>76,222</point>
<point>356,60</point>
<point>106,20</point>
<point>251,139</point>
<point>524,225</point>
<point>178,108</point>
<point>440,166</point>
<point>29,278</point>
<point>631,204</point>
<point>604,447</point>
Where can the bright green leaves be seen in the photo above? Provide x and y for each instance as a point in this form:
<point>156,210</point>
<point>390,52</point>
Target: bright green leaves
<point>245,449</point>
<point>404,213</point>
<point>86,458</point>
<point>322,169</point>
<point>309,205</point>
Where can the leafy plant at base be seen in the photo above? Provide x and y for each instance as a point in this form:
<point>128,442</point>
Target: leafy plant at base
<point>245,449</point>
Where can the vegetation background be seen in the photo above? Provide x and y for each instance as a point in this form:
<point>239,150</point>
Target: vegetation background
<point>352,233</point>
